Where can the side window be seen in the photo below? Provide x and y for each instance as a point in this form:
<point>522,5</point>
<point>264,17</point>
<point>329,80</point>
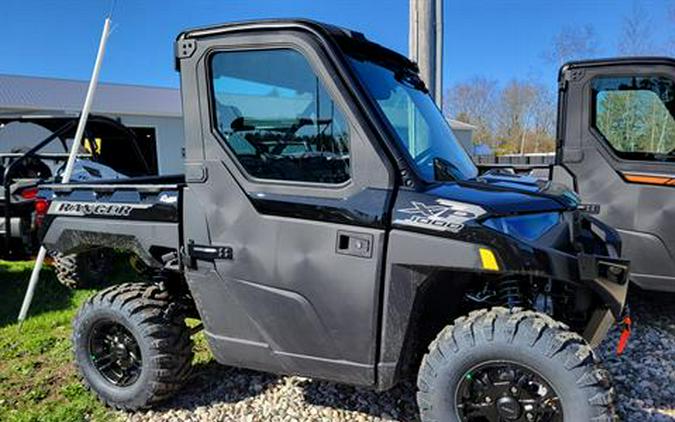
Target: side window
<point>275,115</point>
<point>635,116</point>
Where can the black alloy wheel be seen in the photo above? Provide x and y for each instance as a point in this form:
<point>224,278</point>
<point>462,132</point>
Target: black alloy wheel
<point>115,353</point>
<point>131,344</point>
<point>506,391</point>
<point>503,365</point>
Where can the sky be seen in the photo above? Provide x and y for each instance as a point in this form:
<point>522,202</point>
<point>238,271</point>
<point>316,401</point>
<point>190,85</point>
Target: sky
<point>498,39</point>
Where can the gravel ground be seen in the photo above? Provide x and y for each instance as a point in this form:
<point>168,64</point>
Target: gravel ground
<point>644,378</point>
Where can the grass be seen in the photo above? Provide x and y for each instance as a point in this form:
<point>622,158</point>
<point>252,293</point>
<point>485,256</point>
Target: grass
<point>38,381</point>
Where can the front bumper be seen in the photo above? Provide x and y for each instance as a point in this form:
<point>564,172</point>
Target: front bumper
<point>608,278</point>
<point>590,259</point>
<point>605,275</point>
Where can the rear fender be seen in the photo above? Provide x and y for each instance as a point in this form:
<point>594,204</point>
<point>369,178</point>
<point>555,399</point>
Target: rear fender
<point>72,234</point>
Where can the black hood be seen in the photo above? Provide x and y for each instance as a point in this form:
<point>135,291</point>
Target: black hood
<point>509,194</point>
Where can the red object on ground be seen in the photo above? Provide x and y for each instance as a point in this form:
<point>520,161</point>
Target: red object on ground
<point>625,334</point>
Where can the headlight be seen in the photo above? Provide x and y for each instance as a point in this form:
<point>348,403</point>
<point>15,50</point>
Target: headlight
<point>527,227</point>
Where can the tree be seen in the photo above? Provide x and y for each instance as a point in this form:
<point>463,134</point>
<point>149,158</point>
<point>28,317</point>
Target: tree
<point>572,43</point>
<point>474,102</point>
<point>519,117</point>
<point>637,120</point>
<point>636,33</point>
<point>526,121</point>
<point>515,116</point>
<point>543,110</point>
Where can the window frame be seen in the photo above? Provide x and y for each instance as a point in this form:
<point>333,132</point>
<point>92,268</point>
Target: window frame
<point>213,120</point>
<point>597,132</point>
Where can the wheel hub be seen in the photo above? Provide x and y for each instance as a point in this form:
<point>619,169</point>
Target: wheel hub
<point>503,391</point>
<point>509,408</point>
<point>115,353</point>
<point>122,354</point>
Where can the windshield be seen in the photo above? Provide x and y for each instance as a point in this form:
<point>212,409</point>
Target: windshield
<point>419,124</point>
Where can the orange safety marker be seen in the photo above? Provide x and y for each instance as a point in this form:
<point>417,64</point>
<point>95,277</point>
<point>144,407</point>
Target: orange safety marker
<point>625,334</point>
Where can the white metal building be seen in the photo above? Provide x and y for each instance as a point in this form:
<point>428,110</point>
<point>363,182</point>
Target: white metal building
<point>155,112</point>
<point>464,133</point>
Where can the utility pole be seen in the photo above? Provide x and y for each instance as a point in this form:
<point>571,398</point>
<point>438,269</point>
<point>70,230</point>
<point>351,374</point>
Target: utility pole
<point>425,43</point>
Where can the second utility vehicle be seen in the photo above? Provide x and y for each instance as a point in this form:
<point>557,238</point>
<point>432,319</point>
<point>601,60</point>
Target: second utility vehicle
<point>616,147</point>
<point>329,224</point>
<point>34,150</point>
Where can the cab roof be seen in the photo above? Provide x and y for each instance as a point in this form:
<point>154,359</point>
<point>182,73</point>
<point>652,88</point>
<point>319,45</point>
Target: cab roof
<point>349,41</point>
<point>615,61</point>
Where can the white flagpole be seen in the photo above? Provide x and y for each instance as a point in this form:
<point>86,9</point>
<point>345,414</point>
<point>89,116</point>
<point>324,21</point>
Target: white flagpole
<point>71,161</point>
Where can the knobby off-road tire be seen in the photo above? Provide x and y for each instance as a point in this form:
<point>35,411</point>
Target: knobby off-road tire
<point>162,352</point>
<point>530,339</point>
<point>86,269</point>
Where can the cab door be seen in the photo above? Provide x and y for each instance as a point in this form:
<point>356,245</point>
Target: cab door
<point>619,143</point>
<point>285,208</point>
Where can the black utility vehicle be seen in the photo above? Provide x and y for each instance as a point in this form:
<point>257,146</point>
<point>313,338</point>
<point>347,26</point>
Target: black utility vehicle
<point>616,147</point>
<point>328,224</point>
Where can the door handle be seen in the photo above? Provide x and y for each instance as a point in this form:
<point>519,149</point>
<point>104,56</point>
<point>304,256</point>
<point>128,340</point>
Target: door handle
<point>354,244</point>
<point>209,252</point>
